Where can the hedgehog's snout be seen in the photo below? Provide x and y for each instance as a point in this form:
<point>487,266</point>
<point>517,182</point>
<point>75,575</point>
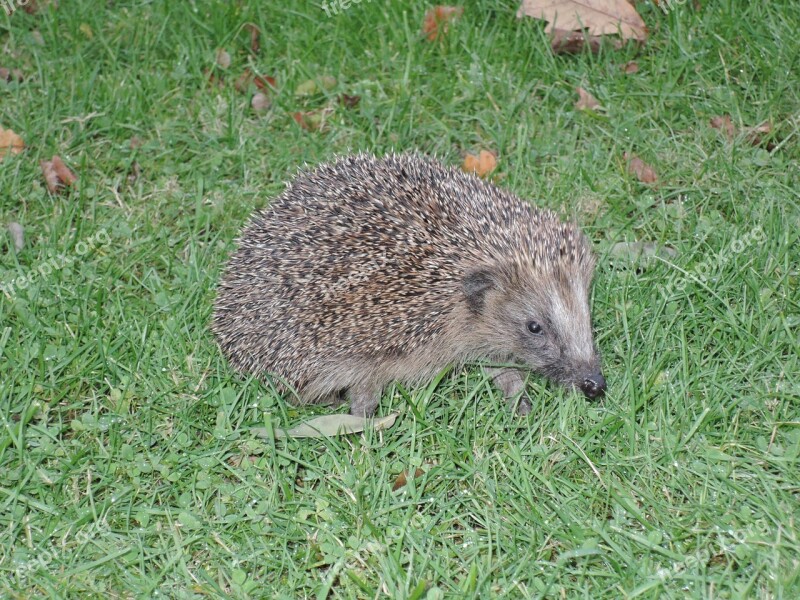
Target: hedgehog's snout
<point>594,386</point>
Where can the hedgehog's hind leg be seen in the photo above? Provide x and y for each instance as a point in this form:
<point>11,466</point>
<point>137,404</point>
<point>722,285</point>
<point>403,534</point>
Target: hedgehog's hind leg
<point>364,400</point>
<point>512,384</point>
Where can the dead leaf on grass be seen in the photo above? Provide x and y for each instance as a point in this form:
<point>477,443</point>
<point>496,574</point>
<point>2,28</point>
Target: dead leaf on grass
<point>482,164</point>
<point>585,100</point>
<point>573,42</point>
<point>631,67</point>
<point>260,102</point>
<point>437,20</point>
<point>10,75</point>
<point>724,124</point>
<point>223,59</point>
<point>402,479</point>
<point>255,34</point>
<point>56,174</point>
<point>349,101</point>
<point>643,172</point>
<point>757,136</point>
<point>330,425</point>
<point>263,83</point>
<point>597,17</point>
<point>313,120</point>
<point>10,143</point>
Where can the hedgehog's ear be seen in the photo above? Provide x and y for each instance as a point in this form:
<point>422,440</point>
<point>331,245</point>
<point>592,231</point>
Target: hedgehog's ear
<point>477,283</point>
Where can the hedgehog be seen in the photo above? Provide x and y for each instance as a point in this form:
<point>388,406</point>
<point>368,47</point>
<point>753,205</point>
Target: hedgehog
<point>368,270</point>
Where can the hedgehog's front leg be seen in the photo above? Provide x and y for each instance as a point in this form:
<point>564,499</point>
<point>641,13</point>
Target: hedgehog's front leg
<point>364,400</point>
<point>512,384</point>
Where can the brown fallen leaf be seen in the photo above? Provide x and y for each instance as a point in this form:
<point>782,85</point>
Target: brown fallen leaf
<point>64,174</point>
<point>56,174</point>
<point>223,59</point>
<point>349,101</point>
<point>135,142</point>
<point>724,124</point>
<point>598,17</point>
<point>630,67</point>
<point>255,34</point>
<point>313,120</point>
<point>437,20</point>
<point>585,100</point>
<point>10,143</point>
<point>482,164</point>
<point>30,7</point>
<point>260,102</point>
<point>643,172</point>
<point>573,42</point>
<point>11,75</point>
<point>263,83</point>
<point>402,479</point>
<point>758,136</point>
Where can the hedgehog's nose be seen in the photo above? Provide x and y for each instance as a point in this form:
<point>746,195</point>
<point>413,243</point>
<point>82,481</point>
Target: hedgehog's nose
<point>594,386</point>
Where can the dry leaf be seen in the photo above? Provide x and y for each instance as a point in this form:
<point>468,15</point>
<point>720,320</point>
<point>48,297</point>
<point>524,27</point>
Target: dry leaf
<point>17,235</point>
<point>329,425</point>
<point>437,20</point>
<point>135,142</point>
<point>482,164</point>
<point>598,17</point>
<point>573,42</point>
<point>86,30</point>
<point>643,172</point>
<point>30,7</point>
<point>755,135</point>
<point>313,120</point>
<point>242,83</point>
<point>50,176</point>
<point>64,174</point>
<point>585,100</point>
<point>349,101</point>
<point>629,68</point>
<point>223,59</point>
<point>11,75</point>
<point>265,83</point>
<point>402,479</point>
<point>725,124</point>
<point>260,102</point>
<point>255,33</point>
<point>56,174</point>
<point>10,142</point>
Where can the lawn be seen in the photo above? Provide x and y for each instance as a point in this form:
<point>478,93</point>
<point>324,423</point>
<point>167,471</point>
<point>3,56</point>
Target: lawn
<point>128,467</point>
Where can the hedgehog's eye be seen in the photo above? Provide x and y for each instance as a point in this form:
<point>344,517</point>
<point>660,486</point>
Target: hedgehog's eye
<point>534,327</point>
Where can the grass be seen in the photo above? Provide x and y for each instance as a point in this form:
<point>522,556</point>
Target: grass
<point>126,464</point>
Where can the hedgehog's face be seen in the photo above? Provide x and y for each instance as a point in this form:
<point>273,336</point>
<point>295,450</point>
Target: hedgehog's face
<point>541,320</point>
